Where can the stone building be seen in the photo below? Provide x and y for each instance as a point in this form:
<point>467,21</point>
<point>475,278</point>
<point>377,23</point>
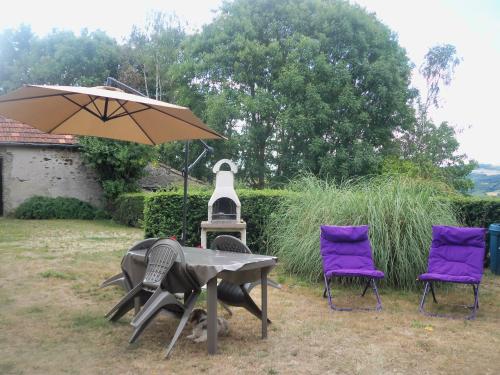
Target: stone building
<point>160,176</point>
<point>35,163</point>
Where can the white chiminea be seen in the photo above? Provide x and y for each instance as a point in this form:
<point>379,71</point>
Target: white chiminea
<point>224,204</point>
<point>224,207</point>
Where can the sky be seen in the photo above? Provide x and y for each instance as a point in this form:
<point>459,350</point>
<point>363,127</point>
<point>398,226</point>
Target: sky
<point>473,27</point>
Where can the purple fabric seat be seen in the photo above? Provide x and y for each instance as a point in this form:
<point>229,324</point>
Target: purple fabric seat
<point>448,278</point>
<point>376,274</point>
<point>347,252</point>
<point>456,255</point>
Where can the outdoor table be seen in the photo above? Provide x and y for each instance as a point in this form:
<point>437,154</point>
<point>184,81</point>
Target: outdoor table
<point>204,266</point>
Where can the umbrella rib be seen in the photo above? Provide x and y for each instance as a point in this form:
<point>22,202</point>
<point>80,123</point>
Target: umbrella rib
<point>125,113</point>
<point>84,107</point>
<point>117,109</point>
<point>128,114</point>
<point>66,119</point>
<point>37,97</point>
<point>208,130</point>
<point>95,106</point>
<point>140,127</point>
<point>63,121</point>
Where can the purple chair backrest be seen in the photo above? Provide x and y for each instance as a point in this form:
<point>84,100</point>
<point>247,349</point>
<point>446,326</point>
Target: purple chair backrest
<point>345,248</point>
<point>457,251</point>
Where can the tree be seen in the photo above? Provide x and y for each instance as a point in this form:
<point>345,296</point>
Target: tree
<point>311,85</point>
<point>152,53</point>
<point>16,57</point>
<point>434,147</point>
<point>438,68</point>
<point>150,63</point>
<point>118,164</point>
<point>60,58</point>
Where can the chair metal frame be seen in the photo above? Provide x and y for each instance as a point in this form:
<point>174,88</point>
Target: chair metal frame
<point>332,239</point>
<point>474,307</point>
<point>468,267</point>
<point>370,281</point>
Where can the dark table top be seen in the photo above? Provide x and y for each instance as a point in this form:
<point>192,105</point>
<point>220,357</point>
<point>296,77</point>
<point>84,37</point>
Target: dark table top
<point>204,264</point>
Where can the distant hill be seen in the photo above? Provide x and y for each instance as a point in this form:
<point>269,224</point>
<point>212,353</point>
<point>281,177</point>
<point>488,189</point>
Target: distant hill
<point>486,180</point>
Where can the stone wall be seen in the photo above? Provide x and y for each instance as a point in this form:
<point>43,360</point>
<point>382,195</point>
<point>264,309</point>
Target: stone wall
<point>46,171</point>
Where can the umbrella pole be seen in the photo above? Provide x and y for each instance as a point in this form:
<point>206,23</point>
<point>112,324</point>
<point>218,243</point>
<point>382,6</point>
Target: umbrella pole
<point>207,149</point>
<point>185,175</point>
<point>114,82</point>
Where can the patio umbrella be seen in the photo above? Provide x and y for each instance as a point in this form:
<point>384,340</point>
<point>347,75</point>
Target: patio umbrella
<point>103,111</point>
<point>107,112</point>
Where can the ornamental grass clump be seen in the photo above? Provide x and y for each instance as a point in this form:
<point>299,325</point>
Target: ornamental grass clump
<point>400,212</point>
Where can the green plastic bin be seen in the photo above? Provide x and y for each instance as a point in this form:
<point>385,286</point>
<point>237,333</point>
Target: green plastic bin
<point>494,230</point>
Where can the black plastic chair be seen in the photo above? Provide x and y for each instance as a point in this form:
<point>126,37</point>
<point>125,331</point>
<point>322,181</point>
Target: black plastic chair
<point>121,279</point>
<point>162,271</point>
<point>230,294</point>
<point>160,258</point>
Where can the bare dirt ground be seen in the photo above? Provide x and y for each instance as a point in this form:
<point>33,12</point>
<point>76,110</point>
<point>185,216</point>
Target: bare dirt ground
<point>51,319</point>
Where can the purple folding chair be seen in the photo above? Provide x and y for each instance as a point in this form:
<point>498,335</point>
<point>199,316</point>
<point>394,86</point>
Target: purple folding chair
<point>346,252</point>
<point>456,256</point>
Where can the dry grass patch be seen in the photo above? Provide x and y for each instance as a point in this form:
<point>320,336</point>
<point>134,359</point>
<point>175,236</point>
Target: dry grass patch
<point>51,319</point>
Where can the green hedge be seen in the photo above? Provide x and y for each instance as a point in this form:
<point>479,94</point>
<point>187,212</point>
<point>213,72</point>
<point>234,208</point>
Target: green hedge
<point>477,212</point>
<point>128,209</point>
<point>163,214</point>
<point>57,208</point>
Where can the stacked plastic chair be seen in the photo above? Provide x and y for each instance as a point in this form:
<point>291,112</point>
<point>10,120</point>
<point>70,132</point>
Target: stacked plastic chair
<point>346,252</point>
<point>456,256</point>
<point>161,258</point>
<point>121,279</point>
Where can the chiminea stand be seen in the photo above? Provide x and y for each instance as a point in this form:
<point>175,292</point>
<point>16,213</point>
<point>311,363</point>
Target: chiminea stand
<point>222,227</point>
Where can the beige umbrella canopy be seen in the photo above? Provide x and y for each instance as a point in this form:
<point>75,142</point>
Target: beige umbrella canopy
<point>103,112</point>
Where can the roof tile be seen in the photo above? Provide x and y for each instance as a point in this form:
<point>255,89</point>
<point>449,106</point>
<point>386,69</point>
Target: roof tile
<point>12,131</point>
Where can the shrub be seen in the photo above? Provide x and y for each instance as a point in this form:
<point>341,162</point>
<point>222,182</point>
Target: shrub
<point>399,210</point>
<point>128,209</point>
<point>163,214</point>
<point>476,211</point>
<point>57,208</point>
<point>118,164</point>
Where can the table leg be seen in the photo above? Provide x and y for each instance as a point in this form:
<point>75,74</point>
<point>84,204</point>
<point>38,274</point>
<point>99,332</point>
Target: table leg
<point>204,238</point>
<point>243,234</point>
<point>263,282</point>
<point>212,316</point>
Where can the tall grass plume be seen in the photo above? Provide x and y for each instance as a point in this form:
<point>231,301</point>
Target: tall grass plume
<point>399,210</point>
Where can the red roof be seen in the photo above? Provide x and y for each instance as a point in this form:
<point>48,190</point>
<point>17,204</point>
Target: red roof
<point>12,131</point>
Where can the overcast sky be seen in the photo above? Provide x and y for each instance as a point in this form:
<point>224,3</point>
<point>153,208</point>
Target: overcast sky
<point>472,26</point>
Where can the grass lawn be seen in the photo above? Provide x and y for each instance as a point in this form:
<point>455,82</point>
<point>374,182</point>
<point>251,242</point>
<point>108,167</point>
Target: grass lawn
<point>51,319</point>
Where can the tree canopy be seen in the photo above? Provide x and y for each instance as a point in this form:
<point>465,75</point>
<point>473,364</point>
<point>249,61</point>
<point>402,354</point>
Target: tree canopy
<point>59,58</point>
<point>315,86</point>
<point>433,148</point>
